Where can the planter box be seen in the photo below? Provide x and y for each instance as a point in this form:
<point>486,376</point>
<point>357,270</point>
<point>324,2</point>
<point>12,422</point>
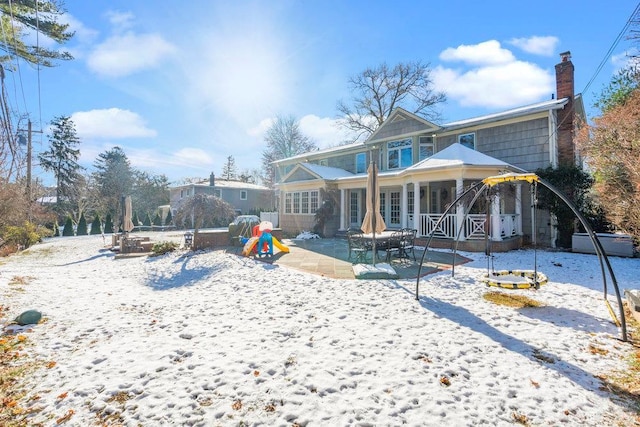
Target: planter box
<point>613,244</point>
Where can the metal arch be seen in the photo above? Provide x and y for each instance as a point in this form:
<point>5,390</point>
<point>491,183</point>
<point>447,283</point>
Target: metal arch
<point>495,180</point>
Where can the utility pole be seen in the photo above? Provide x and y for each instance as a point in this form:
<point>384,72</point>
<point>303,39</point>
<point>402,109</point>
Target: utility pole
<point>29,165</point>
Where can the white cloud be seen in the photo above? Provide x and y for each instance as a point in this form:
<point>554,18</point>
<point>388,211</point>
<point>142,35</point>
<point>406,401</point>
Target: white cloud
<point>537,45</point>
<point>485,53</point>
<point>497,86</point>
<point>112,123</point>
<point>126,54</point>
<point>324,131</point>
<point>501,82</point>
<point>120,20</point>
<point>624,59</point>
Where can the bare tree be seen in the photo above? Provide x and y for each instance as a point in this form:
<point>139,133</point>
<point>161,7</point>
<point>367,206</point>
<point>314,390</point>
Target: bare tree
<point>378,91</point>
<point>204,210</point>
<point>284,139</point>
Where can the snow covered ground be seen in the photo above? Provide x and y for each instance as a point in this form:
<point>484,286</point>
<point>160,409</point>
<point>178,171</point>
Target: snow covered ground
<point>210,338</point>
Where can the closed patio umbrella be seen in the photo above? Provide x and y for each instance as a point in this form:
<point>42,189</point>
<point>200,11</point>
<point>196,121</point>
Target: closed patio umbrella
<point>127,222</point>
<point>373,221</point>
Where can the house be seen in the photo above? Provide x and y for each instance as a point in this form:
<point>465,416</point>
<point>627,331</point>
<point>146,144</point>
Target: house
<point>243,196</point>
<point>424,166</point>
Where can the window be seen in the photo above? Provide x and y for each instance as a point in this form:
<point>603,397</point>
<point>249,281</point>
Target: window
<point>301,202</point>
<point>296,203</point>
<point>287,203</point>
<point>243,194</point>
<point>217,193</point>
<point>314,201</point>
<point>399,154</point>
<point>426,147</point>
<point>181,194</point>
<point>324,162</point>
<point>468,140</point>
<point>361,163</point>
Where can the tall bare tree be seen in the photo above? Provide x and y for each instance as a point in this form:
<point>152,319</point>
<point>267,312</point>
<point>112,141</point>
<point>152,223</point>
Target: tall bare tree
<point>378,90</point>
<point>284,139</point>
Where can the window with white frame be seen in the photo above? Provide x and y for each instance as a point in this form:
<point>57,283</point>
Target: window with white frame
<point>468,140</point>
<point>243,194</point>
<point>287,203</point>
<point>361,163</point>
<point>296,203</point>
<point>301,202</point>
<point>217,192</point>
<point>426,147</point>
<point>399,154</point>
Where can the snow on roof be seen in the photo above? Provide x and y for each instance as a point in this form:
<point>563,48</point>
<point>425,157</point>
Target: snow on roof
<point>326,172</point>
<point>223,183</point>
<point>527,109</point>
<point>335,149</point>
<point>456,155</point>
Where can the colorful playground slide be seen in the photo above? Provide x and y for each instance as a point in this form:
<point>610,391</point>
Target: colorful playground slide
<point>253,241</point>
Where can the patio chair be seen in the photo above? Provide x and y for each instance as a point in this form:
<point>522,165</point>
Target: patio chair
<point>407,243</point>
<point>392,245</point>
<point>358,247</point>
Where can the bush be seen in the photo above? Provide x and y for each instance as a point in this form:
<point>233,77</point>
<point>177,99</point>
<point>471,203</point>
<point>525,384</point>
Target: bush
<point>157,220</point>
<point>147,221</point>
<point>108,224</point>
<point>169,219</point>
<point>96,226</point>
<point>68,227</point>
<point>162,248</point>
<point>82,226</point>
<point>26,235</point>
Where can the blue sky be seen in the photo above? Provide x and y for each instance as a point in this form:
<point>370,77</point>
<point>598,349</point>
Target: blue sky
<point>182,85</point>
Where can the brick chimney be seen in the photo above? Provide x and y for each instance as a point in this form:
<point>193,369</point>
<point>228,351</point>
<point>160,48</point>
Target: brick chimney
<point>566,116</point>
<point>212,180</point>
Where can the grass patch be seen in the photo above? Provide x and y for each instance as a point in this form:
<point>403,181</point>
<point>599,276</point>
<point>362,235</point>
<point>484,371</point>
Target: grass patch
<point>13,366</point>
<point>626,384</point>
<point>20,280</point>
<point>511,300</point>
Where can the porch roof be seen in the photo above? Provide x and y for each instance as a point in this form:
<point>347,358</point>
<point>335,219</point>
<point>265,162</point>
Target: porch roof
<point>458,155</point>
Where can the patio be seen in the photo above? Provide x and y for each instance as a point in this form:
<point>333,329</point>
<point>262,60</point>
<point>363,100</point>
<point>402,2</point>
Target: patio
<point>329,257</point>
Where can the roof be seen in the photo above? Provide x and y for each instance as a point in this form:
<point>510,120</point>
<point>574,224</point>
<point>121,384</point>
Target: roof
<point>458,155</point>
<point>222,183</point>
<point>326,172</point>
<point>337,149</point>
<point>553,104</point>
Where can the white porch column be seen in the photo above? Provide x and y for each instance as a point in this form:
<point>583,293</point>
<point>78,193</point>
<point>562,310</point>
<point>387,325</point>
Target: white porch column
<point>459,209</point>
<point>495,218</point>
<point>405,206</point>
<point>417,222</point>
<point>343,203</point>
<point>518,209</point>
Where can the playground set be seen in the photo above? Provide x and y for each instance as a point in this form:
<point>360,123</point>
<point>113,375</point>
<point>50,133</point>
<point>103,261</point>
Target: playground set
<point>525,279</point>
<point>261,242</point>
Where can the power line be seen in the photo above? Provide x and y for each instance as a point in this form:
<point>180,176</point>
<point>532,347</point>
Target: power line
<point>615,43</point>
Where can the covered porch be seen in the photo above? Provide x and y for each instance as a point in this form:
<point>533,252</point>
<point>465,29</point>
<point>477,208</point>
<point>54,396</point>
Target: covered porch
<point>417,197</point>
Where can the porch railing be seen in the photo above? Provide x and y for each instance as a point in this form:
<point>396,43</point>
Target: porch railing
<point>474,226</point>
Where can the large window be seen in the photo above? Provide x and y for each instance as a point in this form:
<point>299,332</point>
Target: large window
<point>468,140</point>
<point>399,154</point>
<point>301,202</point>
<point>243,194</point>
<point>361,163</point>
<point>426,147</point>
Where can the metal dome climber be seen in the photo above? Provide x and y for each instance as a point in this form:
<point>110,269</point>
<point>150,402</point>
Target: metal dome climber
<point>484,186</point>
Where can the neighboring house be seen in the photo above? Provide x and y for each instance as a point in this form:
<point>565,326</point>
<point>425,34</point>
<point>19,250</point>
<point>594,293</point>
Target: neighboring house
<point>424,166</point>
<point>243,196</point>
